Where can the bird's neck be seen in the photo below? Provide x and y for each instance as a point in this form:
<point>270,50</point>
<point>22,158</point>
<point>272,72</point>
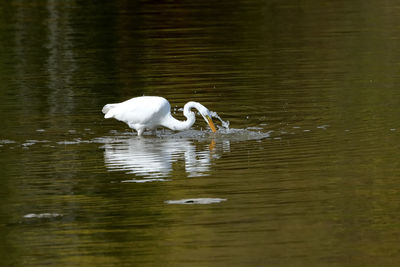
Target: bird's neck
<point>177,125</point>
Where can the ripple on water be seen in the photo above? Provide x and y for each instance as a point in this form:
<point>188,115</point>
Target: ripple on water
<point>45,215</point>
<point>29,143</point>
<point>231,134</point>
<point>144,180</point>
<point>191,201</point>
<point>73,142</point>
<point>6,141</point>
<point>223,134</point>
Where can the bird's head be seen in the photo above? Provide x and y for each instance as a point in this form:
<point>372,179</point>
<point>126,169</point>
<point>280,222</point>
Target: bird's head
<point>206,114</point>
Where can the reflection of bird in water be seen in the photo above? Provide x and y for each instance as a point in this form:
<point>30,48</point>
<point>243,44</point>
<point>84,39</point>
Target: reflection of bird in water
<point>154,158</point>
<point>150,112</point>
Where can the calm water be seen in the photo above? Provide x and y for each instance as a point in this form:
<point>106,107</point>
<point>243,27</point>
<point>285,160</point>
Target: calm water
<point>308,173</point>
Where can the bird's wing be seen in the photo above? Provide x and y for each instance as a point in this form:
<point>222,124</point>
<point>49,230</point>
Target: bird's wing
<point>141,112</point>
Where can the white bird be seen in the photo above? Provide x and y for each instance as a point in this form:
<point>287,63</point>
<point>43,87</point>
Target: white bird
<point>149,112</point>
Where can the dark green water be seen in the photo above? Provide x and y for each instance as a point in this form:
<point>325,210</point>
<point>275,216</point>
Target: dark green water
<point>307,175</point>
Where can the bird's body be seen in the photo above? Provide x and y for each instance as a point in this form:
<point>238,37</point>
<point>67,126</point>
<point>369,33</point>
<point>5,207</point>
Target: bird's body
<point>149,112</point>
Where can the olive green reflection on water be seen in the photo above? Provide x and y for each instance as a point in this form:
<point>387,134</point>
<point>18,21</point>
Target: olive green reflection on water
<point>316,82</point>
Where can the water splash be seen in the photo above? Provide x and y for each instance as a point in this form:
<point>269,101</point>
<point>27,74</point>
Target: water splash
<point>225,124</point>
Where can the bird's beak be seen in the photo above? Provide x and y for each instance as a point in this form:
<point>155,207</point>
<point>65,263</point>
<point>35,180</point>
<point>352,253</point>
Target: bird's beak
<point>211,124</point>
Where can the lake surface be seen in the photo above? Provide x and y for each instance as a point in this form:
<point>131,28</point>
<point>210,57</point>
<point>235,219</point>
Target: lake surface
<point>307,173</point>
